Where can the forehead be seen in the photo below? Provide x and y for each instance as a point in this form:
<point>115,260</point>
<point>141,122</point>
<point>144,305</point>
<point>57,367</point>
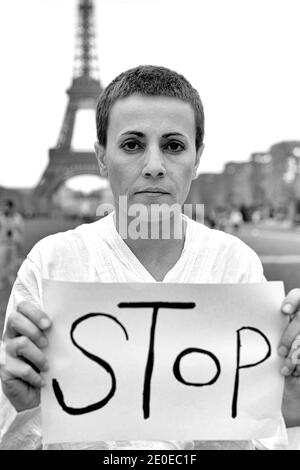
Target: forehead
<point>151,114</point>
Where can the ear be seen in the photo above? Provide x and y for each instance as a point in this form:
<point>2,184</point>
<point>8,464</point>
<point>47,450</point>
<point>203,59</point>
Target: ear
<point>198,156</point>
<point>101,158</point>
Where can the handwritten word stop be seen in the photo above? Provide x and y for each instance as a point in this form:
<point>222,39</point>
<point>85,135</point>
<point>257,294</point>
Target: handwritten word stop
<point>162,361</point>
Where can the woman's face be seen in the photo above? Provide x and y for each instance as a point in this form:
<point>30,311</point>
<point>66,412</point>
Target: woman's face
<point>150,156</point>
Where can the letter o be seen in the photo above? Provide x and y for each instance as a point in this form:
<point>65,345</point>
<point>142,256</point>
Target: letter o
<point>185,352</point>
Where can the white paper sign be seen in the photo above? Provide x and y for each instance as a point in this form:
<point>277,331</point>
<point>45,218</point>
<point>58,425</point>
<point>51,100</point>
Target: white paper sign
<point>162,361</point>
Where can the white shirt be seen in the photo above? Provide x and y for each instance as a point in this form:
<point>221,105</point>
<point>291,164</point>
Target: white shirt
<point>96,253</point>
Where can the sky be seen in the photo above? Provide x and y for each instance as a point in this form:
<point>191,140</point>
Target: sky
<point>242,56</point>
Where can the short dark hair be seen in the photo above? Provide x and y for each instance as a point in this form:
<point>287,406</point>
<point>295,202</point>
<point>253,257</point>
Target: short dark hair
<point>148,80</point>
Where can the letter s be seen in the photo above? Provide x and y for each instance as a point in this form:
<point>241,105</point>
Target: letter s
<point>94,406</point>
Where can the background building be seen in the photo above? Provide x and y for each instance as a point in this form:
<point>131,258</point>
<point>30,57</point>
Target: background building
<point>269,181</point>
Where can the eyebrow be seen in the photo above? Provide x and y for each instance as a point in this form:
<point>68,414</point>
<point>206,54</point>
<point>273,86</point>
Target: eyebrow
<point>138,134</point>
<point>141,134</point>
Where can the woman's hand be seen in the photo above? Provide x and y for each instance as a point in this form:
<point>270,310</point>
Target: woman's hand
<point>24,359</point>
<point>291,368</point>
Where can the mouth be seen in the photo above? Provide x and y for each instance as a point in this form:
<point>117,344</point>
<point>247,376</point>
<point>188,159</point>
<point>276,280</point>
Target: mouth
<point>153,191</point>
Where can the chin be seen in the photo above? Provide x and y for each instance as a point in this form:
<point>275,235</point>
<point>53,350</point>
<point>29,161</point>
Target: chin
<point>157,212</point>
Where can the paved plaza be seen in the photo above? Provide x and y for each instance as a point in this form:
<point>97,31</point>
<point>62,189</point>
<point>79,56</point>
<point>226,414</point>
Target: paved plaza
<point>277,246</point>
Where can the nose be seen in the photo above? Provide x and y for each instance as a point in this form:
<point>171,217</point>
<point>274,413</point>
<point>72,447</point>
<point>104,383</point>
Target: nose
<point>154,165</point>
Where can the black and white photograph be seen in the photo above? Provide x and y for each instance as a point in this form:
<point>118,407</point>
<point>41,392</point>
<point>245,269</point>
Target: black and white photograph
<point>150,227</point>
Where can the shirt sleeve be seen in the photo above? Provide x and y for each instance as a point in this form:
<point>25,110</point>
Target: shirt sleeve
<point>246,267</point>
<point>21,430</point>
<point>286,438</point>
<point>24,432</point>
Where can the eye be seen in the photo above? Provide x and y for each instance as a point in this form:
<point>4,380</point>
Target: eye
<point>175,147</point>
<point>131,146</point>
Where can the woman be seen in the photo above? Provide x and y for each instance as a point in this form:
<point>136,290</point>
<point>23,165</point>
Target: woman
<point>150,128</point>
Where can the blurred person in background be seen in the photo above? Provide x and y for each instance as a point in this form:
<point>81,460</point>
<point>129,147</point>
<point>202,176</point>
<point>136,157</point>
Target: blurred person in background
<point>11,242</point>
<point>235,220</point>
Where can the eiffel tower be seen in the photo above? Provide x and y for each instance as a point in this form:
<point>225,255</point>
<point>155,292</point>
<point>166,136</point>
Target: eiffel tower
<point>64,162</point>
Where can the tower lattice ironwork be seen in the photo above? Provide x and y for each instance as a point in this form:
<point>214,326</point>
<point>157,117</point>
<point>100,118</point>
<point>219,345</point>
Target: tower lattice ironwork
<point>65,162</point>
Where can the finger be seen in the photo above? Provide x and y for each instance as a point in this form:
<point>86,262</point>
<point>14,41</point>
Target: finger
<point>290,333</point>
<point>295,351</point>
<point>288,368</point>
<point>23,347</point>
<point>19,325</point>
<point>296,372</point>
<point>291,302</point>
<point>16,369</point>
<point>36,315</point>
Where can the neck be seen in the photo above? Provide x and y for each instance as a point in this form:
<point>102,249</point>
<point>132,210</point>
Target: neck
<point>156,240</point>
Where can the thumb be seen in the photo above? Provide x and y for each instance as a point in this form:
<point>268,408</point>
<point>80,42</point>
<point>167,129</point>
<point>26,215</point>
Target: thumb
<point>291,303</point>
